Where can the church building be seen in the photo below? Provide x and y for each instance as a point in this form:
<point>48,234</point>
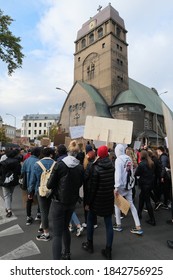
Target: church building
<point>102,86</point>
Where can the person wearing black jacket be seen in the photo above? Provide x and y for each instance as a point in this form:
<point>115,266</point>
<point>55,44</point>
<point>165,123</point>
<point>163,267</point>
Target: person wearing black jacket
<point>145,172</point>
<point>65,181</point>
<point>165,181</point>
<point>100,200</point>
<point>11,169</point>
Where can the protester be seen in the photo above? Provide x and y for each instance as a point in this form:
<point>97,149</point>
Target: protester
<point>28,170</point>
<point>145,172</point>
<point>65,182</point>
<point>123,164</point>
<point>43,201</point>
<point>11,169</point>
<point>165,181</point>
<point>100,200</point>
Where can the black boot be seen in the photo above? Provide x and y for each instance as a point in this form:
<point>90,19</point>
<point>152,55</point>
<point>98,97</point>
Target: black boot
<point>88,246</point>
<point>107,253</point>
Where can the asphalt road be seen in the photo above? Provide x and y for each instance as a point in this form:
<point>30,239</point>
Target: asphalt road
<point>18,241</point>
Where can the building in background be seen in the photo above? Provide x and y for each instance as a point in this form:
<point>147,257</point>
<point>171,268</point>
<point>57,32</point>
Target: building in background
<point>102,86</point>
<point>35,125</point>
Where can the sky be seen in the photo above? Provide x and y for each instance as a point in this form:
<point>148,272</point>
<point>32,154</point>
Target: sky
<point>48,29</point>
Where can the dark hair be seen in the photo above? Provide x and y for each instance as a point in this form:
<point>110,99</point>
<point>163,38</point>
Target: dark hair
<point>12,153</point>
<point>145,156</point>
<point>36,151</point>
<point>62,150</point>
<point>47,152</point>
<point>161,148</point>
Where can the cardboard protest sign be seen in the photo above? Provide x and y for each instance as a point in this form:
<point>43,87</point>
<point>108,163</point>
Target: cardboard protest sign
<point>76,131</point>
<point>122,204</point>
<point>109,130</point>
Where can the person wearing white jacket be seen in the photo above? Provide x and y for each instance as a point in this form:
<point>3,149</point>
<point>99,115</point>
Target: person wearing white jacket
<point>124,182</point>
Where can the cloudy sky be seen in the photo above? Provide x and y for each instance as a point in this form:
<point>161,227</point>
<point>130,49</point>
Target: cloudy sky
<point>48,29</point>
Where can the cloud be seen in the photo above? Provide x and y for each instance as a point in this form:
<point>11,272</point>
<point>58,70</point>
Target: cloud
<point>48,29</point>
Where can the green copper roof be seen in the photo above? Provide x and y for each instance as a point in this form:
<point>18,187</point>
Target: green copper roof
<point>140,94</point>
<point>100,104</point>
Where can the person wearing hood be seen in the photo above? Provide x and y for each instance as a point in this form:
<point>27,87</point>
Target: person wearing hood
<point>123,165</point>
<point>100,200</point>
<point>65,181</point>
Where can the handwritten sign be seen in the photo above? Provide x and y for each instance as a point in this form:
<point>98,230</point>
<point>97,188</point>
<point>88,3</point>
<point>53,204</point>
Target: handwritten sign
<point>76,131</point>
<point>109,130</point>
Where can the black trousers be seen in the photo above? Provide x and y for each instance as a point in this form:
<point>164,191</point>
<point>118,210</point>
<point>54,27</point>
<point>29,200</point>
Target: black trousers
<point>144,198</point>
<point>60,216</point>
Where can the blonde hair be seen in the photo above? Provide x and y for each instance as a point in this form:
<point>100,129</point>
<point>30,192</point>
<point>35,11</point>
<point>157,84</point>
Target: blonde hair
<point>73,148</point>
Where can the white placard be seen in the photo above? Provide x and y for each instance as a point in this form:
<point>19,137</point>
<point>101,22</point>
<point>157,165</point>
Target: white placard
<point>76,131</point>
<point>109,130</point>
<point>137,145</point>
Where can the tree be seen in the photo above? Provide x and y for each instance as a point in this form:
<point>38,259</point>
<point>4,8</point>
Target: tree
<point>10,48</point>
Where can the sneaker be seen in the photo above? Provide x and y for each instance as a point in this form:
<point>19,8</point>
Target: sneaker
<point>145,210</point>
<point>158,204</point>
<point>71,228</point>
<point>66,256</point>
<point>38,217</point>
<point>43,237</point>
<point>9,214</point>
<point>40,230</point>
<point>95,226</point>
<point>84,225</point>
<point>137,231</point>
<point>79,231</point>
<point>29,221</point>
<point>117,228</point>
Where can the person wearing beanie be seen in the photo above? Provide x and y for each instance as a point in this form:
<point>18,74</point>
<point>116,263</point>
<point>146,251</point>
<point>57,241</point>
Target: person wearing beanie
<point>100,200</point>
<point>88,148</point>
<point>65,181</point>
<point>123,164</point>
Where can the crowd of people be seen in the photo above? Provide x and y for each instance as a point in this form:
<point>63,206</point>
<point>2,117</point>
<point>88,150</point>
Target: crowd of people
<point>103,174</point>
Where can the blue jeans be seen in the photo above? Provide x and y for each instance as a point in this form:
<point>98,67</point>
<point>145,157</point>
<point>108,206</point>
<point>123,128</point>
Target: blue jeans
<point>60,218</point>
<point>108,225</point>
<point>74,219</point>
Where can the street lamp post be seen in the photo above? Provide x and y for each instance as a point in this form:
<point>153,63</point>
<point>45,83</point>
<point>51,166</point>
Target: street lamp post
<point>58,88</point>
<point>14,123</point>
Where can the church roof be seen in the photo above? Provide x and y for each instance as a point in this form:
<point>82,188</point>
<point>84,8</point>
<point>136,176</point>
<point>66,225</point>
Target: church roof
<point>100,104</point>
<point>140,94</point>
<point>102,16</point>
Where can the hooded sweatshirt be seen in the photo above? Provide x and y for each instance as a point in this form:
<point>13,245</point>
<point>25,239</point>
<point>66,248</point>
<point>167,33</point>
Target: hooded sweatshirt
<point>122,162</point>
<point>65,180</point>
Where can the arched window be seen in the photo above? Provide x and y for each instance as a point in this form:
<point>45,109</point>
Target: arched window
<point>91,38</point>
<point>100,32</point>
<point>83,43</point>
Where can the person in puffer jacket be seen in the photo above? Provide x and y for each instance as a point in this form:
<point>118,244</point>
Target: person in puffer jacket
<point>100,200</point>
<point>122,164</point>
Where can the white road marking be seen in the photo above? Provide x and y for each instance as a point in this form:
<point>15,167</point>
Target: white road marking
<point>16,229</point>
<point>25,250</point>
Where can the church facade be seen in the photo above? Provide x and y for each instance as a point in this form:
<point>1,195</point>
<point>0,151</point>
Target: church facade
<point>102,86</point>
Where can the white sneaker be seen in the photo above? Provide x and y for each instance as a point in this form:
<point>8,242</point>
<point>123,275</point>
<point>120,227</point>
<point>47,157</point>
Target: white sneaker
<point>79,231</point>
<point>84,225</point>
<point>95,226</point>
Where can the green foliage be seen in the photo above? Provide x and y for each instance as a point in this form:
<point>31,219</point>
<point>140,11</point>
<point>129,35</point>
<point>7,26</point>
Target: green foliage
<point>10,48</point>
<point>3,138</point>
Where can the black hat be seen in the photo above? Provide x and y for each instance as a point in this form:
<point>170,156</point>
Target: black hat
<point>88,148</point>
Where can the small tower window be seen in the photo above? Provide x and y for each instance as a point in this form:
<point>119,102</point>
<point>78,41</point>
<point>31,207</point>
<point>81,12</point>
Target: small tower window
<point>83,43</point>
<point>91,38</point>
<point>100,32</point>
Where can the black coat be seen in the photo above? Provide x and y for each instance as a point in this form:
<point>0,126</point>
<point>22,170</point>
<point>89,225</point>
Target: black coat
<point>65,183</point>
<point>11,165</point>
<point>100,196</point>
<point>145,173</point>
